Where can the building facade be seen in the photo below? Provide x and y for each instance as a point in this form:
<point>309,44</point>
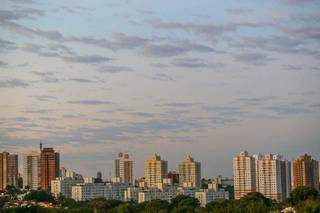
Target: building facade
<point>132,193</point>
<point>49,163</point>
<point>63,186</point>
<point>12,175</point>
<point>8,170</point>
<point>207,195</point>
<point>244,174</point>
<point>166,193</point>
<point>155,170</point>
<point>269,174</point>
<point>31,170</point>
<point>87,191</point>
<point>274,177</point>
<point>174,176</point>
<point>124,168</point>
<point>306,172</point>
<point>190,173</point>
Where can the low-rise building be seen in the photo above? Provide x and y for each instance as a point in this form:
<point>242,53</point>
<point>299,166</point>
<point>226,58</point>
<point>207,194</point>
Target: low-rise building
<point>207,195</point>
<point>87,191</point>
<point>155,193</point>
<point>63,187</point>
<point>132,193</point>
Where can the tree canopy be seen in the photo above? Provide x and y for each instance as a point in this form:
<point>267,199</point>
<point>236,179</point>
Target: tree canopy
<point>40,196</point>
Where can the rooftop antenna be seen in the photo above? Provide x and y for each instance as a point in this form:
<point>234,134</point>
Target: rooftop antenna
<point>40,145</point>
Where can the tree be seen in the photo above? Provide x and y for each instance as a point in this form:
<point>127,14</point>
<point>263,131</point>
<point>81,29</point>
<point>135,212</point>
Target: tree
<point>127,207</point>
<point>12,192</point>
<point>230,189</point>
<point>255,202</point>
<point>251,203</point>
<point>217,206</point>
<point>40,196</point>
<point>183,203</point>
<point>308,206</point>
<point>176,200</point>
<point>157,206</point>
<point>103,205</point>
<point>302,193</point>
<point>20,182</point>
<point>97,204</point>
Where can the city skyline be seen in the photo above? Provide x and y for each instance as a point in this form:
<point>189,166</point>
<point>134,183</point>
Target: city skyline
<point>23,163</point>
<point>175,78</point>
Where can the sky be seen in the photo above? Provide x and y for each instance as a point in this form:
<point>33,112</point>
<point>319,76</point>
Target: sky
<point>206,78</point>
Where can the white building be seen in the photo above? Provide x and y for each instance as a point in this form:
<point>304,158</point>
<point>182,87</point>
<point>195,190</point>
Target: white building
<point>207,195</point>
<point>64,173</point>
<point>191,191</point>
<point>63,187</point>
<point>87,191</point>
<point>132,193</point>
<point>155,193</point>
<point>31,170</point>
<point>88,180</point>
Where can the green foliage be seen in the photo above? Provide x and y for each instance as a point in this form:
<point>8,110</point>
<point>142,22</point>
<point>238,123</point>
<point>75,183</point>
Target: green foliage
<point>251,203</point>
<point>176,200</point>
<point>20,183</point>
<point>12,192</point>
<point>40,196</point>
<point>185,204</point>
<point>218,206</point>
<point>102,205</point>
<point>302,193</point>
<point>32,209</point>
<point>308,206</point>
<point>306,200</point>
<point>157,206</point>
<point>127,207</point>
<point>230,189</point>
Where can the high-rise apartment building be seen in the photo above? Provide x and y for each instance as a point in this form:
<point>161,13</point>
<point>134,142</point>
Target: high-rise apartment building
<point>31,170</point>
<point>12,175</point>
<point>190,173</point>
<point>269,175</point>
<point>244,174</point>
<point>274,177</point>
<point>124,168</point>
<point>306,172</point>
<point>155,170</point>
<point>174,176</point>
<point>8,170</point>
<point>49,163</point>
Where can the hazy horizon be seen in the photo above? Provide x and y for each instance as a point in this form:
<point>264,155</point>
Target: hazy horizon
<point>202,78</point>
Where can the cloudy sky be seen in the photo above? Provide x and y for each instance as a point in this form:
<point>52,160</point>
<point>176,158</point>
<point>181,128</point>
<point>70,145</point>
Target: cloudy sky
<point>208,78</point>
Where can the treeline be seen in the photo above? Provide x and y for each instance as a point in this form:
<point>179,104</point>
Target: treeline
<point>303,199</point>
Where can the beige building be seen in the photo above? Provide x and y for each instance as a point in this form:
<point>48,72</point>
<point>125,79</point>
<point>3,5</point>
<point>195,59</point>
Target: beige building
<point>244,174</point>
<point>31,170</point>
<point>190,173</point>
<point>155,170</point>
<point>124,168</point>
<point>274,177</point>
<point>8,170</point>
<point>270,175</point>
